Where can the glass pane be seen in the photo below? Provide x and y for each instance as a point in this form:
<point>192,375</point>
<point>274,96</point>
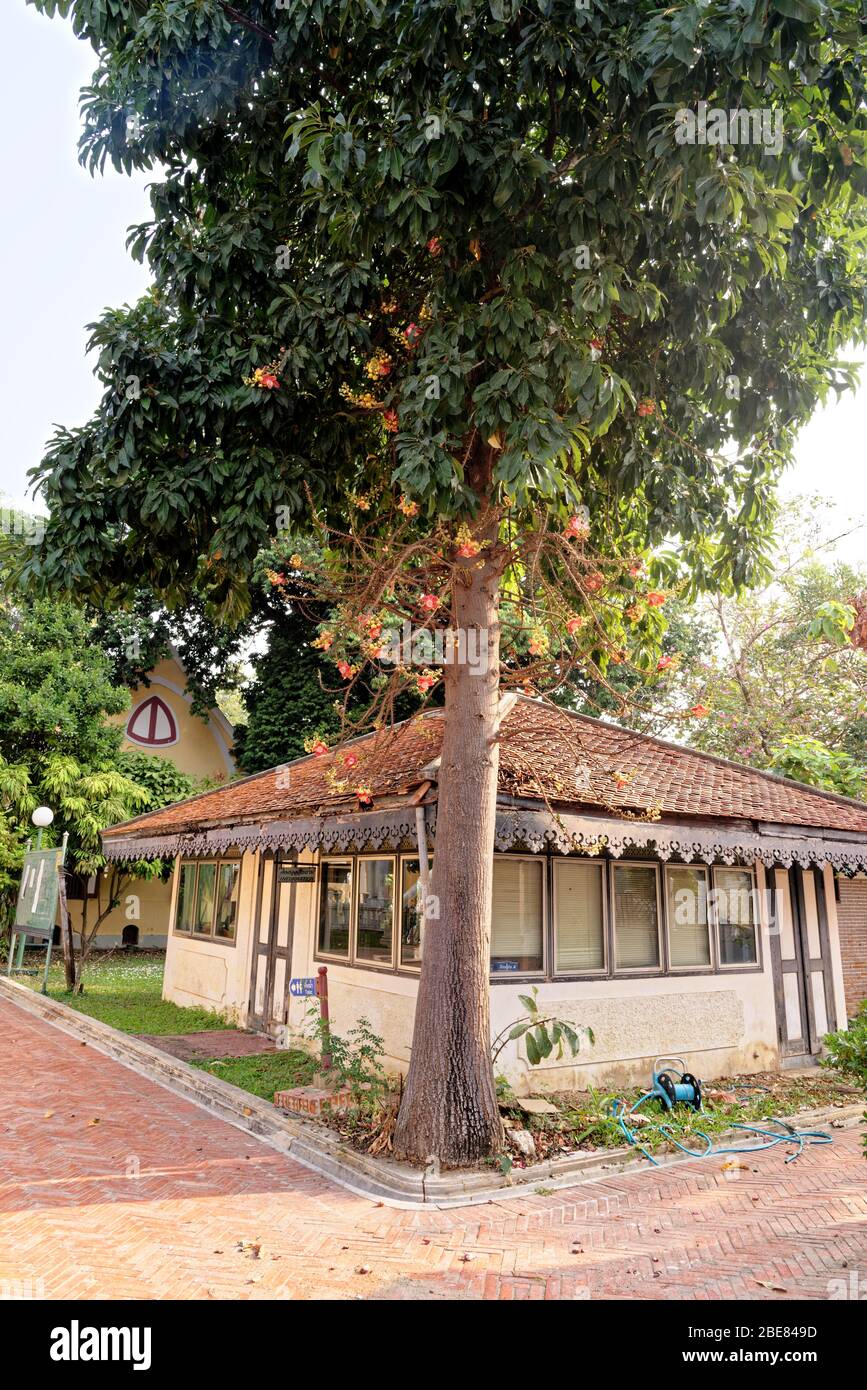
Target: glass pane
<point>516,920</point>
<point>636,924</point>
<point>204,918</point>
<point>688,933</point>
<point>375,910</point>
<point>335,908</point>
<point>227,901</point>
<point>735,909</point>
<point>578,917</point>
<point>186,898</point>
<point>411,914</point>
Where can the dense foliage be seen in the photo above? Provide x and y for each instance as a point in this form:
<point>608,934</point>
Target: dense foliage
<point>776,667</point>
<point>479,191</point>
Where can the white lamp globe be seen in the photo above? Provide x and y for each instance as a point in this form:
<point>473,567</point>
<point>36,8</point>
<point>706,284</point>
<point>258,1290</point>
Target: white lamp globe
<point>42,816</point>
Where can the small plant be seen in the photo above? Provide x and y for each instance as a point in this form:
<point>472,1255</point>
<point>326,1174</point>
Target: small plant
<point>355,1059</point>
<point>541,1035</point>
<point>847,1051</point>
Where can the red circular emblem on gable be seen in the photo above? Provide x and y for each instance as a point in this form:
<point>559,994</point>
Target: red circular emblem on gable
<point>152,723</point>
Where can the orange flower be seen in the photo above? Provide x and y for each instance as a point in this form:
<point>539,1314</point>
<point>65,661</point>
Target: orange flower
<point>435,246</point>
<point>429,602</point>
<point>574,623</point>
<point>700,711</point>
<point>324,641</point>
<point>345,670</point>
<point>664,662</point>
<point>577,526</point>
<point>594,581</point>
<point>351,760</point>
<point>390,423</point>
<point>655,599</point>
<point>408,507</point>
<point>647,407</point>
<point>319,748</point>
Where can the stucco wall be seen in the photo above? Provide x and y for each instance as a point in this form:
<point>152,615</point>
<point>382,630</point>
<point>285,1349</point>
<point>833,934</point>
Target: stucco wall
<point>212,974</point>
<point>203,747</point>
<point>721,1023</point>
<point>145,903</point>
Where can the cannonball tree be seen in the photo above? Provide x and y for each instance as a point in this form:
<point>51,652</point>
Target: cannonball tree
<point>497,257</point>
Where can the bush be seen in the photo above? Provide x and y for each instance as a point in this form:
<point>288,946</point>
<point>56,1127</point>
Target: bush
<point>847,1050</point>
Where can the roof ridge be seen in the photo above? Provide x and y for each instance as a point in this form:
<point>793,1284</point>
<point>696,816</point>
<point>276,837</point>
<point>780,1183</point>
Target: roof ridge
<point>778,777</point>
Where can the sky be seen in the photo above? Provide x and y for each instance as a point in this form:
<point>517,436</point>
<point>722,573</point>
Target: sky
<point>63,260</point>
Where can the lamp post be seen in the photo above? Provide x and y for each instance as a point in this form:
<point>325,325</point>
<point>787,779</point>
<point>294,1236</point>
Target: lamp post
<point>41,818</point>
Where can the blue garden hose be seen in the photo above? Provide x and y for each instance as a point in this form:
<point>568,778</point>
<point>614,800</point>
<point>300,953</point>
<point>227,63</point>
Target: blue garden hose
<point>801,1137</point>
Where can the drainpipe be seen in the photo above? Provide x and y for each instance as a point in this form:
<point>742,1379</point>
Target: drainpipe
<point>423,859</point>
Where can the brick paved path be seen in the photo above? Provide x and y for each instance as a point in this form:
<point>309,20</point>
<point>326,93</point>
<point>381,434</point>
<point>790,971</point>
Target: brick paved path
<point>155,1199</point>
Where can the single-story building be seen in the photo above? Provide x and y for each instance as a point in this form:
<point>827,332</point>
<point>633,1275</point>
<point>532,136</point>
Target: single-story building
<point>675,902</point>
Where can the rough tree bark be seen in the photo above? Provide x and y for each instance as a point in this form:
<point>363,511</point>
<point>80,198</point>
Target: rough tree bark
<point>449,1109</point>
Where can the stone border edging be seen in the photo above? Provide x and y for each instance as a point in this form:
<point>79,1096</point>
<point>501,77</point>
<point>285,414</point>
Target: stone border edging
<point>319,1148</point>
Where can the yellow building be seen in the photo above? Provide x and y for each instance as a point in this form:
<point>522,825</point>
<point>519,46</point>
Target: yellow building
<point>159,722</point>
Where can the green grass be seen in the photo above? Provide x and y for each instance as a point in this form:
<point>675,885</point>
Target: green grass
<point>124,991</point>
<point>263,1075</point>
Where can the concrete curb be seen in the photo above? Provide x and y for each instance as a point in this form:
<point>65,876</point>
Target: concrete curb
<point>320,1149</point>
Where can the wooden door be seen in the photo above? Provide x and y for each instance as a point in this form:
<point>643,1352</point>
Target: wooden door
<point>800,948</point>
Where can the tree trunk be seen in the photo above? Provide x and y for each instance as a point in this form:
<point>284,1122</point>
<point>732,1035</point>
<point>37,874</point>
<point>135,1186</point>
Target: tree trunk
<point>66,936</point>
<point>449,1109</point>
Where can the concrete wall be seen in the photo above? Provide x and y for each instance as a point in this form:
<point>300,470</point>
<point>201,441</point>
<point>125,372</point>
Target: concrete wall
<point>721,1023</point>
<point>146,903</point>
<point>852,919</point>
<point>212,974</point>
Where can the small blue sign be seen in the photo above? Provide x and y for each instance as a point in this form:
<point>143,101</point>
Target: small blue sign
<point>505,965</point>
<point>303,988</point>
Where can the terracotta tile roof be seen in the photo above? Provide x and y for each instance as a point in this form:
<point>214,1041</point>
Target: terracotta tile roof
<point>543,752</point>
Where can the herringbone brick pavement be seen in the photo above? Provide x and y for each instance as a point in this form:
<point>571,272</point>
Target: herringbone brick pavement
<point>113,1187</point>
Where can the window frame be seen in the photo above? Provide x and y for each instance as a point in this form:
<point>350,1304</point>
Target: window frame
<point>723,967</point>
<point>661,967</point>
<point>711,966</point>
<point>190,934</point>
<point>603,971</point>
<point>319,954</point>
<point>364,964</point>
<point>548,868</point>
<point>504,976</point>
<point>409,967</point>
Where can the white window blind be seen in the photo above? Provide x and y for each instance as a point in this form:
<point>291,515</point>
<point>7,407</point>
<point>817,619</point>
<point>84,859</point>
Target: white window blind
<point>516,919</point>
<point>688,932</point>
<point>578,917</point>
<point>736,915</point>
<point>636,917</point>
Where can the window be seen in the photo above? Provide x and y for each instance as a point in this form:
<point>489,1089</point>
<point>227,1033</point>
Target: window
<point>335,909</point>
<point>203,915</point>
<point>411,913</point>
<point>186,898</point>
<point>636,917</point>
<point>516,920</point>
<point>207,903</point>
<point>227,901</point>
<point>152,724</point>
<point>734,900</point>
<point>686,891</point>
<point>579,917</point>
<point>375,911</point>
